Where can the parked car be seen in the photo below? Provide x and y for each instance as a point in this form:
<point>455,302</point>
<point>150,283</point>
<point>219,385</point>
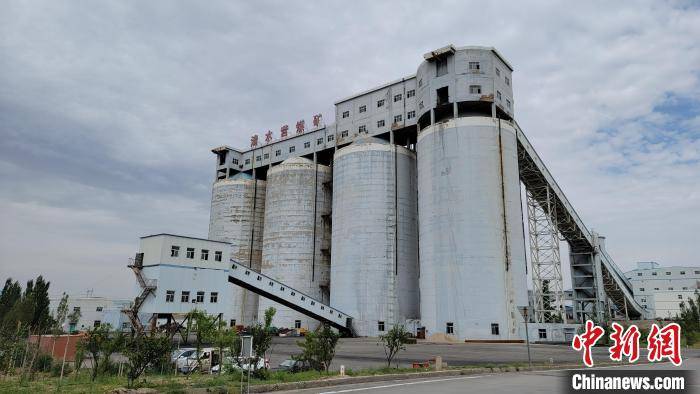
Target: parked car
<point>291,365</point>
<point>207,358</point>
<point>182,352</point>
<point>233,363</point>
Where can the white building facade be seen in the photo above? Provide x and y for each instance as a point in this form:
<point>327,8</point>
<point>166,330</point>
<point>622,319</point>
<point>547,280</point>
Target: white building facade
<point>662,289</point>
<point>94,312</point>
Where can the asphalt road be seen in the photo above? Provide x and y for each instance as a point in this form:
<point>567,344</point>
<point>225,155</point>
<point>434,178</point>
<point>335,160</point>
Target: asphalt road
<point>362,353</point>
<point>501,383</point>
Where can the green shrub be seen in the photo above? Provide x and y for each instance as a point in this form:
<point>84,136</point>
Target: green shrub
<point>43,363</point>
<point>56,369</point>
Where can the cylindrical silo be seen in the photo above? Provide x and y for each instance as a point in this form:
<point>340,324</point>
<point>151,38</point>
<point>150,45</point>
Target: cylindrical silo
<point>237,216</point>
<point>297,235</point>
<point>374,264</point>
<point>472,253</point>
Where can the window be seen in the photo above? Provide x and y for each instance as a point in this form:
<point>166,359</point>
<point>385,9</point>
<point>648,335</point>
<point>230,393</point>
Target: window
<point>214,297</point>
<point>641,289</point>
<point>297,323</point>
<point>232,322</point>
<point>411,114</point>
<point>420,105</point>
<point>380,103</point>
<point>685,288</point>
<point>344,133</point>
<point>443,95</point>
<point>420,82</point>
<point>410,93</point>
<point>330,137</point>
<point>380,326</point>
<point>670,288</point>
<point>266,156</point>
<point>307,144</point>
<point>475,89</point>
<point>498,72</point>
<point>235,161</point>
<point>362,129</point>
<point>643,300</point>
<point>98,309</point>
<point>639,274</point>
<point>498,95</point>
<point>185,296</point>
<point>170,296</point>
<point>174,251</point>
<point>200,297</point>
<point>656,288</point>
<point>680,296</point>
<point>682,272</point>
<point>494,329</point>
<point>96,323</point>
<point>508,103</point>
<point>363,108</point>
<point>644,306</point>
<point>258,158</point>
<point>380,123</point>
<point>346,114</point>
<point>542,332</point>
<point>278,152</point>
<point>450,328</point>
<point>475,67</point>
<point>507,81</point>
<point>697,272</point>
<point>217,255</point>
<point>319,141</point>
<point>398,118</point>
<point>76,309</point>
<point>440,67</point>
<point>190,253</point>
<point>668,273</point>
<point>654,274</point>
<point>397,97</point>
<point>205,254</point>
<point>292,149</point>
<point>247,161</point>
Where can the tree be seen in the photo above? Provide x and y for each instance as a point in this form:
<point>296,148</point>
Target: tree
<point>61,314</point>
<point>394,341</point>
<point>689,319</point>
<point>225,339</point>
<point>262,335</point>
<point>204,328</point>
<point>142,351</point>
<point>11,294</point>
<point>319,348</point>
<point>94,343</point>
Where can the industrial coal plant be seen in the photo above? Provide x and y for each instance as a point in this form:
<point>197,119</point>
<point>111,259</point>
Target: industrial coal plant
<point>407,210</point>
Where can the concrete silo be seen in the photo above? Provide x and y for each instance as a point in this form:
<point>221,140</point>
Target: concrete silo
<point>374,264</point>
<point>237,215</point>
<point>297,235</point>
<point>472,255</point>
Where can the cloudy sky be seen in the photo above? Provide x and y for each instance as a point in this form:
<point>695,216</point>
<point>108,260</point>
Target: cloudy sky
<point>108,111</point>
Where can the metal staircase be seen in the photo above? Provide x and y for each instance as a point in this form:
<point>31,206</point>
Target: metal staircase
<point>595,277</point>
<point>147,287</point>
<point>261,284</point>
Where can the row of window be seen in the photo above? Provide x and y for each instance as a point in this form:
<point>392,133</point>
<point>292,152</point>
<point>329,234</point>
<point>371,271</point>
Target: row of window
<point>190,252</point>
<point>656,288</point>
<point>498,74</point>
<point>380,103</point>
<point>185,296</point>
<point>654,273</point>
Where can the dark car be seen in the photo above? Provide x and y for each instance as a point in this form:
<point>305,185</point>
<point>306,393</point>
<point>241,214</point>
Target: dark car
<point>291,365</point>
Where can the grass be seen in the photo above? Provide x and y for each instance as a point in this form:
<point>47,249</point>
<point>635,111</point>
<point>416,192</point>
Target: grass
<point>81,383</point>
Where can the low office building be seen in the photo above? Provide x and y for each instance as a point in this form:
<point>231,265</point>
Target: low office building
<point>93,312</point>
<point>662,289</point>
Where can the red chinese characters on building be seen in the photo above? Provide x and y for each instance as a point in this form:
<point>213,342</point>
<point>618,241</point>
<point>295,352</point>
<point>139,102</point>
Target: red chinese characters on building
<point>268,136</point>
<point>254,141</point>
<point>665,343</point>
<point>625,343</point>
<point>283,131</point>
<point>317,120</point>
<point>587,340</point>
<point>300,127</point>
